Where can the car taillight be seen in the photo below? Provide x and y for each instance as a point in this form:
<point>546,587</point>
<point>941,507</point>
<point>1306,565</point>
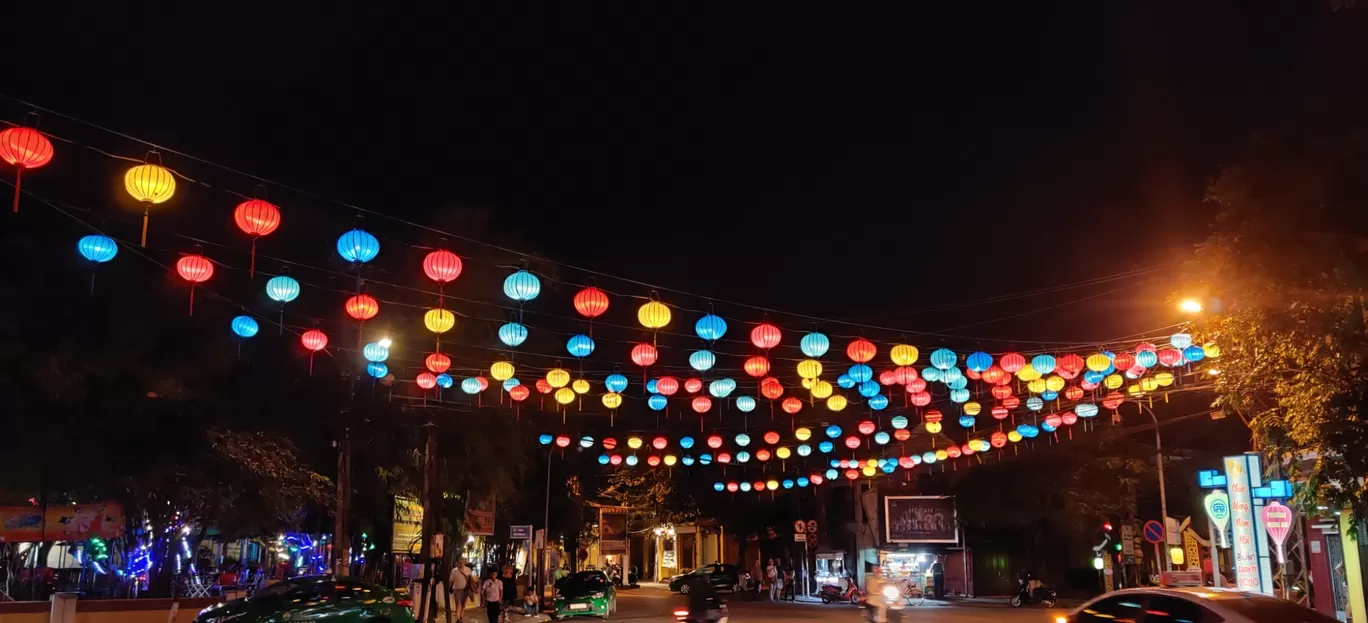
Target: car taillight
<point>407,603</point>
<point>681,612</point>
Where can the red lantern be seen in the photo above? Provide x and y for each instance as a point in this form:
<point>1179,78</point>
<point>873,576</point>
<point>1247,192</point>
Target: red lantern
<point>762,454</point>
<point>1144,346</point>
<point>905,462</point>
<point>1011,402</point>
<point>792,405</point>
<point>1071,363</point>
<point>314,340</point>
<point>426,380</point>
<point>196,269</point>
<point>1170,357</point>
<point>1002,392</point>
<point>902,434</point>
<point>693,385</point>
<point>1000,412</point>
<point>921,399</point>
<point>867,427</point>
<point>852,442</point>
<point>1113,400</point>
<point>1073,392</point>
<point>888,377</point>
<point>765,336</point>
<point>616,459</point>
<point>1012,362</point>
<point>1065,374</point>
<point>904,375</point>
<point>519,392</point>
<point>861,350</point>
<point>1054,420</point>
<point>759,486</point>
<point>715,441</point>
<point>591,302</point>
<point>973,375</point>
<point>438,363</point>
<point>644,354</point>
<point>609,443</point>
<point>562,442</point>
<point>998,439</point>
<point>24,148</point>
<point>771,388</point>
<point>1137,371</point>
<point>484,382</point>
<point>967,449</point>
<point>756,366</point>
<point>1069,418</point>
<point>852,474</point>
<point>1086,385</point>
<point>701,404</point>
<point>723,458</point>
<point>916,386</point>
<point>653,460</point>
<point>667,385</point>
<point>362,307</point>
<point>733,487</point>
<point>256,218</point>
<point>771,438</point>
<point>816,479</point>
<point>934,415</point>
<point>544,387</point>
<point>1123,360</point>
<point>442,266</point>
<point>659,443</point>
<point>953,452</point>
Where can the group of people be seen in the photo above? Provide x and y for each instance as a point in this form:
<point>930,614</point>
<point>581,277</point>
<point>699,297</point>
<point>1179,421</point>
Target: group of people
<point>498,592</point>
<point>780,577</point>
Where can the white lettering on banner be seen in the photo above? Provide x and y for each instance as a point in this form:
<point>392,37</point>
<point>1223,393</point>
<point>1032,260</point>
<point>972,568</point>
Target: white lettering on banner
<point>1245,537</point>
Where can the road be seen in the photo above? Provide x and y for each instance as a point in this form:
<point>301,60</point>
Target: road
<point>655,604</point>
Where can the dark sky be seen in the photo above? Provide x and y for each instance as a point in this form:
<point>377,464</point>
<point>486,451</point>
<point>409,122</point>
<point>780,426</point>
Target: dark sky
<point>845,164</point>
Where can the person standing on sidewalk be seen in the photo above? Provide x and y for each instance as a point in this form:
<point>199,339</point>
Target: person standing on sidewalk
<point>460,587</point>
<point>491,591</point>
<point>510,588</point>
<point>772,577</point>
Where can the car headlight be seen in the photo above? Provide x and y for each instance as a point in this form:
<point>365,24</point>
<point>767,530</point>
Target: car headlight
<point>598,595</point>
<point>890,592</point>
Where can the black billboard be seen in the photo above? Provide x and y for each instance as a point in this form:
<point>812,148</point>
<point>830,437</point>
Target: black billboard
<point>920,519</point>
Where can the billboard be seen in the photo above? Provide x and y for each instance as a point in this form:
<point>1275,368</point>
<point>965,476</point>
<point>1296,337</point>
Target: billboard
<point>479,516</point>
<point>920,519</point>
<point>407,524</point>
<point>76,522</point>
<point>613,530</point>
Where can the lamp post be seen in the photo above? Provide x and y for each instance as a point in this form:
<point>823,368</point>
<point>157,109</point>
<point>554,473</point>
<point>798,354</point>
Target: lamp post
<point>1159,461</point>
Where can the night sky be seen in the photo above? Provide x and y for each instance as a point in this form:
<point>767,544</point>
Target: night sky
<point>859,166</point>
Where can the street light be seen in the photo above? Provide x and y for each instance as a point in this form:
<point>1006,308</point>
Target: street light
<point>385,342</point>
<point>1190,306</point>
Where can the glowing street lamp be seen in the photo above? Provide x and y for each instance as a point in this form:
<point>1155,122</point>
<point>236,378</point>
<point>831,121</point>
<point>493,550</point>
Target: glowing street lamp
<point>1190,306</point>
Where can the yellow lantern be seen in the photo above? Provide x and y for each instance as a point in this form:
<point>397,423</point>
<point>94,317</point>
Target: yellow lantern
<point>802,434</point>
<point>1028,373</point>
<point>941,455</point>
<point>809,368</point>
<point>782,453</point>
<point>1164,379</point>
<point>612,400</point>
<point>933,427</point>
<point>1134,390</point>
<point>558,377</point>
<point>821,389</point>
<point>772,485</point>
<point>903,354</point>
<point>634,443</point>
<point>1097,362</point>
<point>807,383</point>
<point>1149,384</point>
<point>654,315</point>
<point>580,386</point>
<point>837,402</point>
<point>439,321</point>
<point>501,370</point>
<point>1036,386</point>
<point>1113,382</point>
<point>1013,436</point>
<point>871,463</point>
<point>1176,556</point>
<point>972,408</point>
<point>149,184</point>
<point>565,396</point>
<point>670,460</point>
<point>1211,350</point>
<point>1054,383</point>
<point>869,470</point>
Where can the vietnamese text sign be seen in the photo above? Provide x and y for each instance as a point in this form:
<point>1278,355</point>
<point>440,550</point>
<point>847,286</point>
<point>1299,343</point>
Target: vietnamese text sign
<point>519,533</point>
<point>920,519</point>
<point>479,516</point>
<point>407,525</point>
<point>61,523</point>
<point>1241,476</point>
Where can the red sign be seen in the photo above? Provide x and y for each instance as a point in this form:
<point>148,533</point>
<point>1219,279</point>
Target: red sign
<point>62,523</point>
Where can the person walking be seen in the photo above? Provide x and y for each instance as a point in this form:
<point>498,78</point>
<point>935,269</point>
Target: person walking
<point>491,591</point>
<point>790,590</point>
<point>510,588</point>
<point>772,577</point>
<point>460,582</point>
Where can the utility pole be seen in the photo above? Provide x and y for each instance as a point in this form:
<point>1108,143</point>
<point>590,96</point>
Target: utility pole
<point>341,542</point>
<point>1163,497</point>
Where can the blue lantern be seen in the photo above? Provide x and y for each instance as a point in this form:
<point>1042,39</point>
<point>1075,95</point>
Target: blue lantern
<point>632,460</point>
<point>788,484</point>
<point>803,481</point>
<point>1028,431</point>
<point>513,334</point>
<point>721,388</point>
<point>814,345</point>
<point>745,403</point>
<point>869,389</point>
<point>1194,353</point>
<point>717,486</point>
<point>742,456</point>
<point>959,396</point>
<point>687,460</point>
<point>966,421</point>
<point>931,375</point>
<point>471,386</point>
<point>881,438</point>
<point>1045,426</point>
<point>831,474</point>
<point>836,463</point>
<point>899,422</point>
<point>377,369</point>
<point>1094,377</point>
<point>928,457</point>
<point>944,358</point>
<point>282,289</point>
<point>705,459</point>
<point>656,402</point>
<point>710,327</point>
<point>1181,340</point>
<point>952,376</point>
<point>651,386</point>
<point>522,286</point>
<point>702,360</point>
<point>804,450</point>
<point>511,383</point>
<point>1049,395</point>
<point>1043,364</point>
<point>878,403</point>
<point>833,431</point>
<point>686,442</point>
<point>586,442</point>
<point>375,352</point>
<point>603,459</point>
<point>826,447</point>
<point>245,326</point>
<point>445,381</point>
<point>979,361</point>
<point>888,467</point>
<point>1086,409</point>
<point>743,440</point>
<point>98,249</point>
<point>580,345</point>
<point>845,381</point>
<point>545,440</point>
<point>860,373</point>
<point>1146,358</point>
<point>745,487</point>
<point>615,383</point>
<point>358,247</point>
<point>1034,403</point>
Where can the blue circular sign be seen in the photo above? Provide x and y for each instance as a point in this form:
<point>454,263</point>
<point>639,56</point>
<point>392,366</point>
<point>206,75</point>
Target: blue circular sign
<point>1154,532</point>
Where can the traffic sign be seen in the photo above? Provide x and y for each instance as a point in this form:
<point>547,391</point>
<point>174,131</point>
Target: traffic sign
<point>800,527</point>
<point>799,537</point>
<point>1154,532</point>
<point>519,533</point>
<point>812,526</point>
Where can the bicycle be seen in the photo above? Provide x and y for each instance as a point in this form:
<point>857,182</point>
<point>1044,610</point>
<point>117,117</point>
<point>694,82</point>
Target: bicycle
<point>912,593</point>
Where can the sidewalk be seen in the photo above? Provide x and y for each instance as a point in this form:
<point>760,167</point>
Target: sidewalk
<point>477,615</point>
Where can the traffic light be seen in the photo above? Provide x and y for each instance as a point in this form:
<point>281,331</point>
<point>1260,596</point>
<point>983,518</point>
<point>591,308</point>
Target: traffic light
<point>1107,526</point>
<point>1118,547</point>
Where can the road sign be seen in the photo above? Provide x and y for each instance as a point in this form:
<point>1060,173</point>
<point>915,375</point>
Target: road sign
<point>812,542</point>
<point>519,533</point>
<point>1154,532</point>
<point>800,527</point>
<point>799,537</point>
<point>812,526</point>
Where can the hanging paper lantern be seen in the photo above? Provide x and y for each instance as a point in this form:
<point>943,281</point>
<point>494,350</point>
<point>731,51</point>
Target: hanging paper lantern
<point>1146,358</point>
<point>903,354</point>
<point>1164,379</point>
<point>256,218</point>
<point>667,385</point>
<point>442,266</point>
<point>979,361</point>
<point>861,350</point>
<point>837,402</point>
<point>657,402</point>
<point>150,184</point>
<point>821,389</point>
<point>756,366</point>
<point>1068,418</point>
<point>653,315</point>
<point>765,336</point>
<point>580,386</point>
<point>501,370</point>
<point>558,377</point>
<point>1071,363</point>
<point>791,405</point>
<point>358,247</point>
<point>710,327</point>
<point>995,375</point>
<point>1035,404</point>
<point>96,248</point>
<point>24,148</point>
<point>878,403</point>
<point>377,369</point>
<point>644,354</point>
<point>439,321</point>
<point>814,344</point>
<point>195,268</point>
<point>745,403</point>
<point>314,340</point>
<point>444,381</point>
<point>615,383</point>
<point>920,399</point>
<point>437,362</point>
<point>972,408</point>
<point>1011,402</point>
<point>522,286</point>
<point>721,388</point>
<point>471,386</point>
<point>1000,412</point>
<point>1098,362</point>
<point>564,395</point>
<point>809,368</point>
<point>1012,362</point>
<point>282,289</point>
<point>852,442</point>
<point>580,345</point>
<point>944,358</point>
<point>519,393</point>
<point>1036,386</point>
<point>1028,373</point>
<point>702,360</point>
<point>934,427</point>
<point>966,421</point>
<point>868,389</point>
<point>771,388</point>
<point>612,400</point>
<point>1043,364</point>
<point>1171,357</point>
<point>375,352</point>
<point>245,326</point>
<point>1054,384</point>
<point>362,307</point>
<point>426,380</point>
<point>543,387</point>
<point>693,385</point>
<point>1113,400</point>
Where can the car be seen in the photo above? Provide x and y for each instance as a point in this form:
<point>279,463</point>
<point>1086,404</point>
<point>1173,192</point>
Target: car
<point>337,600</point>
<point>587,593</point>
<point>721,577</point>
<point>1191,605</point>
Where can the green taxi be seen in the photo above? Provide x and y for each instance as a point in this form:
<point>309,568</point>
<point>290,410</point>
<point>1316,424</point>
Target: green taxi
<point>315,598</point>
<point>587,593</point>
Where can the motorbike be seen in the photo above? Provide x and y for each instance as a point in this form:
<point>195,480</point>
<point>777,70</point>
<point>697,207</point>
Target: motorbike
<point>1042,595</point>
<point>831,593</point>
<point>716,613</point>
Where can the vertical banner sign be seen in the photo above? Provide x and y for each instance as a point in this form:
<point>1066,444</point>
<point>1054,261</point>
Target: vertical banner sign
<point>1250,566</point>
<point>1218,509</point>
<point>407,525</point>
<point>479,516</point>
<point>1192,550</point>
<point>612,530</point>
<point>1278,521</point>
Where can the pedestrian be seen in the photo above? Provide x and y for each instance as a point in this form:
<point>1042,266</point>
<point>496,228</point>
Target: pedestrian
<point>938,577</point>
<point>510,588</point>
<point>790,590</point>
<point>772,577</point>
<point>460,587</point>
<point>491,591</point>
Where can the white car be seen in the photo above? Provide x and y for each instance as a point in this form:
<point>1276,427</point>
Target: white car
<point>1191,605</point>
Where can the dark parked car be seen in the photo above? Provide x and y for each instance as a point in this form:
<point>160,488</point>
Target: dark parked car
<point>721,577</point>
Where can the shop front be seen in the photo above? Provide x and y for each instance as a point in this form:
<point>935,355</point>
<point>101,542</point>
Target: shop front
<point>831,568</point>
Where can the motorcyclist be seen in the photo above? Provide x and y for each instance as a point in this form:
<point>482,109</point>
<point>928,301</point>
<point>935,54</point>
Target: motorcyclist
<point>702,599</point>
<point>875,606</point>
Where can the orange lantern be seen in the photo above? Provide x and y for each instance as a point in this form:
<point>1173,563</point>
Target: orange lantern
<point>591,302</point>
<point>792,405</point>
<point>756,366</point>
<point>771,438</point>
<point>24,148</point>
<point>771,388</point>
<point>362,307</point>
<point>438,363</point>
<point>256,218</point>
<point>519,392</point>
<point>693,385</point>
